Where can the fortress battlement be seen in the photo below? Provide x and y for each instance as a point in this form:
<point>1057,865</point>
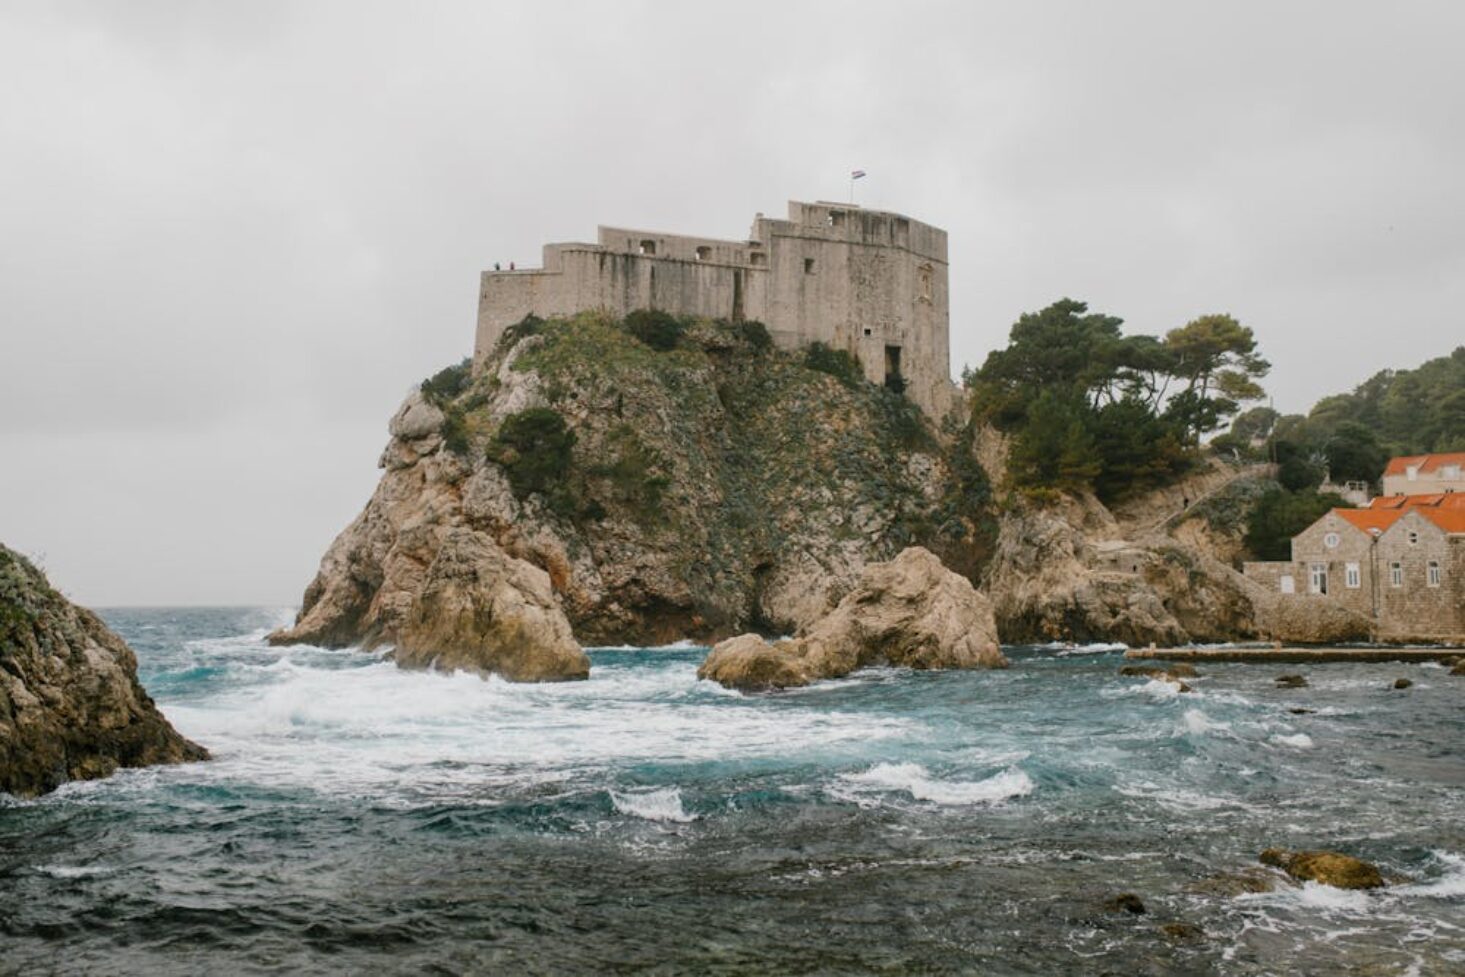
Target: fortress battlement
<point>868,281</point>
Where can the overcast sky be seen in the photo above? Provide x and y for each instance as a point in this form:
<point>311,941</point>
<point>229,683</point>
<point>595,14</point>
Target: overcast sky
<point>233,235</point>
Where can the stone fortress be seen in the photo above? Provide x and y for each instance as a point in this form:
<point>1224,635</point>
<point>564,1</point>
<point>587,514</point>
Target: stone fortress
<point>871,282</point>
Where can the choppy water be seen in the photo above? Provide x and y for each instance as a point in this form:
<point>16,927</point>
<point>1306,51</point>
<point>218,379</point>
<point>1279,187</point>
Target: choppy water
<point>359,819</point>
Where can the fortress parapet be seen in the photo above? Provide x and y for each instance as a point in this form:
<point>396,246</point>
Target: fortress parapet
<point>867,281</point>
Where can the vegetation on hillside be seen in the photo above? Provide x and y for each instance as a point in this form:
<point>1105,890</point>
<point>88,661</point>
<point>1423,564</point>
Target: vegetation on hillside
<point>1091,408</point>
<point>712,441</point>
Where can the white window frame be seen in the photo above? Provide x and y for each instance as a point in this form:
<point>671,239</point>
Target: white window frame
<point>1331,540</point>
<point>1352,577</point>
<point>1433,574</point>
<point>1396,574</point>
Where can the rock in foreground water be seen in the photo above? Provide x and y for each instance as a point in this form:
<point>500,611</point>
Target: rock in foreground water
<point>911,611</point>
<point>71,707</point>
<point>1328,867</point>
<point>481,610</point>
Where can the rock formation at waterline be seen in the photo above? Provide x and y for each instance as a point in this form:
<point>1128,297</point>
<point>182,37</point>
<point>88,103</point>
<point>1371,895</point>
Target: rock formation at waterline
<point>71,707</point>
<point>701,484</point>
<point>701,491</point>
<point>911,612</point>
<point>1075,571</point>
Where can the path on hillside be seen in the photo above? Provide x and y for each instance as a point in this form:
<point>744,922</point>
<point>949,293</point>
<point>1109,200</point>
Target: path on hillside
<point>1264,469</point>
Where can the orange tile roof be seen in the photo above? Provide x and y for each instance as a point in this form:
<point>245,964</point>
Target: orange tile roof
<point>1451,520</point>
<point>1367,519</point>
<point>1440,500</point>
<point>1426,463</point>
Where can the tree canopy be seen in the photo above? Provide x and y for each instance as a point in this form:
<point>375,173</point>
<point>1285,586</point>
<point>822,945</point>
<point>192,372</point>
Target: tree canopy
<point>1089,407</point>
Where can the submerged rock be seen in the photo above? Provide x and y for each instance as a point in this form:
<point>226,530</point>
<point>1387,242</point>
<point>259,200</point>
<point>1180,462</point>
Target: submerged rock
<point>71,707</point>
<point>1291,682</point>
<point>1402,683</point>
<point>1327,867</point>
<point>1458,668</point>
<point>1126,902</point>
<point>911,611</point>
<point>1166,673</point>
<point>1182,931</point>
<point>1236,883</point>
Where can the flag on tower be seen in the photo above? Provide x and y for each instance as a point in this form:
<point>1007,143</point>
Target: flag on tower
<point>857,175</point>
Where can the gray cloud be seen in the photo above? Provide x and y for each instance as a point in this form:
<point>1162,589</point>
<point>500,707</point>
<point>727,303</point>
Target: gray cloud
<point>236,233</point>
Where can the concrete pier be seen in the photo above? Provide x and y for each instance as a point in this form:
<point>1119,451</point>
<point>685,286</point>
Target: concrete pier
<point>1297,655</point>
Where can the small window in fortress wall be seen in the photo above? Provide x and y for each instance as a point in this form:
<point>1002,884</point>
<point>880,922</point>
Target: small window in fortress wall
<point>648,247</point>
<point>704,253</point>
<point>836,218</point>
<point>758,258</point>
<point>808,266</point>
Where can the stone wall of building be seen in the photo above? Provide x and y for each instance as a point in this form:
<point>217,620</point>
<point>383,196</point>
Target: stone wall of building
<point>869,282</point>
<point>1412,606</point>
<point>1406,605</point>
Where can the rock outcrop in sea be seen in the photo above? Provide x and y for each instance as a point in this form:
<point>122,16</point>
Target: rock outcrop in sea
<point>630,494</point>
<point>704,485</point>
<point>71,707</point>
<point>910,612</point>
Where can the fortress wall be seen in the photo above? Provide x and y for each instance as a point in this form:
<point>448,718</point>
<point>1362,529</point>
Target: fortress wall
<point>862,281</point>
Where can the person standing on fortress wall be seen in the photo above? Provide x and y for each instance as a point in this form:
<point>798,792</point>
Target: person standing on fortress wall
<point>496,266</point>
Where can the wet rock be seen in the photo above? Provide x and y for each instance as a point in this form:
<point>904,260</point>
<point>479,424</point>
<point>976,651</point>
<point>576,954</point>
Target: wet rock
<point>483,611</point>
<point>1402,683</point>
<point>1126,902</point>
<point>1327,867</point>
<point>1182,932</point>
<point>1291,682</point>
<point>1459,667</point>
<point>1302,712</point>
<point>911,612</point>
<point>1232,884</point>
<point>1167,672</point>
<point>71,707</point>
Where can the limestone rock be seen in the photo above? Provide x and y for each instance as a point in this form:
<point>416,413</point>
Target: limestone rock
<point>911,611</point>
<point>1168,672</point>
<point>1291,682</point>
<point>1402,683</point>
<point>416,419</point>
<point>1328,867</point>
<point>1458,668</point>
<point>71,707</point>
<point>483,611</point>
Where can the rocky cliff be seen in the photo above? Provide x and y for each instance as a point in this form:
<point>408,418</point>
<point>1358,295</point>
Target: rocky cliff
<point>640,489</point>
<point>701,490</point>
<point>71,707</point>
<point>1160,571</point>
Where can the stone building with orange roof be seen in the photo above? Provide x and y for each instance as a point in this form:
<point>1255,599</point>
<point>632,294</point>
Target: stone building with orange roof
<point>1425,474</point>
<point>1400,561</point>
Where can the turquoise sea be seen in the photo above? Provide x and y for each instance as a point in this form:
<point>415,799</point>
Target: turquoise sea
<point>359,819</point>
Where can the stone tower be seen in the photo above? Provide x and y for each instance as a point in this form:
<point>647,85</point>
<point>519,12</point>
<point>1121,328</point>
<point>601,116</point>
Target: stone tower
<point>870,282</point>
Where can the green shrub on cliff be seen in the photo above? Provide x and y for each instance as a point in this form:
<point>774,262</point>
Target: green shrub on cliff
<point>838,363</point>
<point>1279,516</point>
<point>533,448</point>
<point>443,386</point>
<point>657,329</point>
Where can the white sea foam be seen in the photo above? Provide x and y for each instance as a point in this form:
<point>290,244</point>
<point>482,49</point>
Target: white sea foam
<point>1450,885</point>
<point>75,871</point>
<point>1195,722</point>
<point>660,804</point>
<point>915,780</point>
<point>344,722</point>
<point>1298,741</point>
<point>1096,648</point>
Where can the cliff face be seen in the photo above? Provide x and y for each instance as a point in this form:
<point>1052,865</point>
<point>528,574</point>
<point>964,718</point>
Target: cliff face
<point>1157,573</point>
<point>700,491</point>
<point>71,707</point>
